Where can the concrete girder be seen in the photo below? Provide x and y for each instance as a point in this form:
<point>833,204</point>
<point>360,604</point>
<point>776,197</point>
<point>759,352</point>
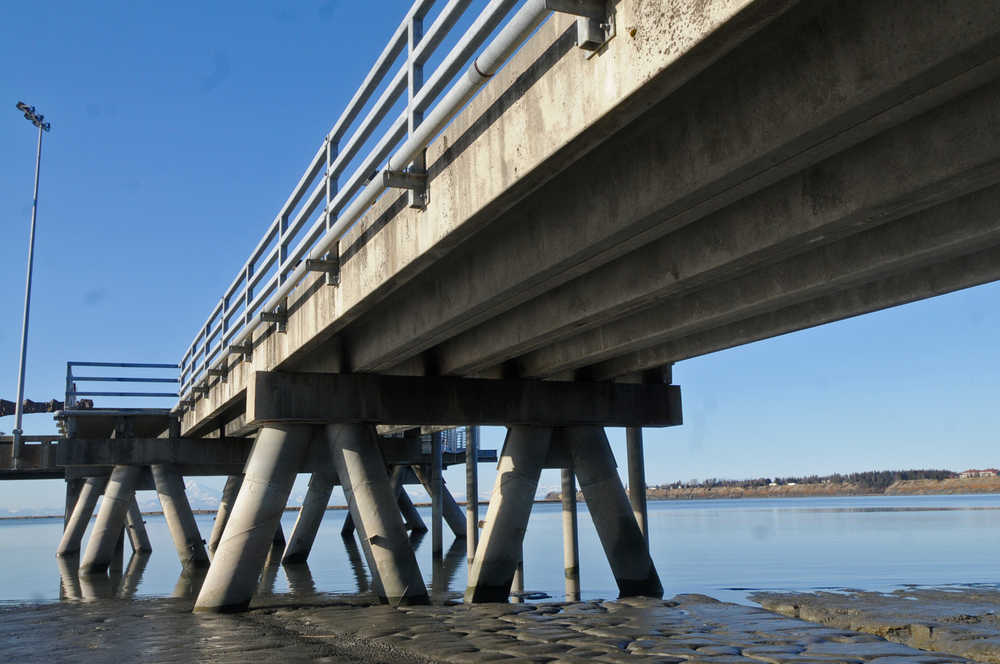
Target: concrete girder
<point>815,86</point>
<point>963,272</point>
<point>923,162</point>
<point>961,226</point>
<point>327,397</point>
<point>361,470</point>
<point>499,549</point>
<point>249,533</point>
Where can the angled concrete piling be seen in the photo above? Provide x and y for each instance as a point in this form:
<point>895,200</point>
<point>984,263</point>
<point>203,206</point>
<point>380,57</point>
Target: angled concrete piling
<point>310,517</point>
<point>229,491</point>
<point>73,488</point>
<point>414,523</point>
<point>110,520</point>
<point>180,519</point>
<point>361,470</point>
<point>83,510</point>
<point>623,542</point>
<point>270,472</point>
<point>450,510</point>
<point>135,527</point>
<point>637,478</point>
<point>499,549</point>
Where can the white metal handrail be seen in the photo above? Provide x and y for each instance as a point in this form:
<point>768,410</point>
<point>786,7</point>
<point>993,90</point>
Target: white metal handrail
<point>231,323</point>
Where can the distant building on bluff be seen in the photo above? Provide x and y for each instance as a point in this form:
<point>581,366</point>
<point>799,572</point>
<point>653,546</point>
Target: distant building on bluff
<point>986,472</point>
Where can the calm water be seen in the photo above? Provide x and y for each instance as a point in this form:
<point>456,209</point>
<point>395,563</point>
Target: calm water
<point>722,548</point>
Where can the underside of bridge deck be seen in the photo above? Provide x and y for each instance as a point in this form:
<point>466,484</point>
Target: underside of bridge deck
<point>718,173</point>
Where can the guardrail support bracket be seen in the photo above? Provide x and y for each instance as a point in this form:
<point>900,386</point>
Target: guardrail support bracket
<point>330,263</point>
<point>278,316</point>
<point>594,24</point>
<point>414,180</point>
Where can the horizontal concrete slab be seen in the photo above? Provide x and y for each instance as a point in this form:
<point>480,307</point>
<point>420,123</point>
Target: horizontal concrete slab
<point>277,396</point>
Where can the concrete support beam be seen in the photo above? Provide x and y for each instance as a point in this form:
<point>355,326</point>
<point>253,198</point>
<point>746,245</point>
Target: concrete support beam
<point>450,510</point>
<point>637,478</point>
<point>107,529</point>
<point>908,286</point>
<point>310,517</point>
<point>248,535</point>
<point>229,493</point>
<point>571,551</point>
<point>180,519</point>
<point>78,521</point>
<point>136,529</point>
<point>623,542</point>
<point>361,471</point>
<point>442,400</point>
<point>513,495</point>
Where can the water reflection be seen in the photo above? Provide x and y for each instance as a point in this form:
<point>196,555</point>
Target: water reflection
<point>76,587</point>
<point>300,579</point>
<point>189,582</point>
<point>443,571</point>
<point>69,578</point>
<point>357,564</point>
<point>133,575</point>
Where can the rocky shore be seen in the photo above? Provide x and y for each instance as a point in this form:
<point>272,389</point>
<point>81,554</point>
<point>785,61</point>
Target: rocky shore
<point>689,628</point>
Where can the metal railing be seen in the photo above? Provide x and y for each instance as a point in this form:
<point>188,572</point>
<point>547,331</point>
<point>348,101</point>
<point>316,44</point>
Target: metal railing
<point>71,381</point>
<point>289,249</point>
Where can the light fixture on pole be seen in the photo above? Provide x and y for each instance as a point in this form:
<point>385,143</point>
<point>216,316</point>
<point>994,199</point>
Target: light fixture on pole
<point>39,121</point>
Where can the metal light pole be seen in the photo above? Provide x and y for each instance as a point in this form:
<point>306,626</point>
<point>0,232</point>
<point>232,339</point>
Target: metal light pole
<point>38,121</point>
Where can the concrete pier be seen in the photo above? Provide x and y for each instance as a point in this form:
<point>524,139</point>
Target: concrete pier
<point>513,495</point>
<point>79,519</point>
<point>136,529</point>
<point>73,488</point>
<point>180,519</point>
<point>609,507</point>
<point>231,579</point>
<point>110,520</point>
<point>435,487</point>
<point>310,517</point>
<point>277,549</point>
<point>414,522</point>
<point>229,492</point>
<point>571,539</point>
<point>451,513</point>
<point>637,478</point>
<point>361,470</point>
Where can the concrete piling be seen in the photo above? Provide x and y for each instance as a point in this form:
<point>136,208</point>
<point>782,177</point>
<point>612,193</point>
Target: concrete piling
<point>361,470</point>
<point>435,490</point>
<point>571,554</point>
<point>277,549</point>
<point>270,472</point>
<point>83,510</point>
<point>513,495</point>
<point>107,529</point>
<point>623,542</point>
<point>450,511</point>
<point>310,517</point>
<point>229,492</point>
<point>471,494</point>
<point>637,478</point>
<point>73,488</point>
<point>136,529</point>
<point>414,522</point>
<point>517,584</point>
<point>180,519</point>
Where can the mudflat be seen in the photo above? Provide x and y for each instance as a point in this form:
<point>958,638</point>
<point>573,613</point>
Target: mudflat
<point>688,628</point>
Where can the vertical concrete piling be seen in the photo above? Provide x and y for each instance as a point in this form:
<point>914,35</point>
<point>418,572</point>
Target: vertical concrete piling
<point>623,542</point>
<point>229,492</point>
<point>437,507</point>
<point>310,517</point>
<point>180,519</point>
<point>513,495</point>
<point>136,529</point>
<point>83,510</point>
<point>107,529</point>
<point>270,472</point>
<point>471,494</point>
<point>361,470</point>
<point>637,478</point>
<point>571,553</point>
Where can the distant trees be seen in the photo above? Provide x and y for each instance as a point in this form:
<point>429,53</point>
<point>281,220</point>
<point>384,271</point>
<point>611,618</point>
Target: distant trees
<point>874,481</point>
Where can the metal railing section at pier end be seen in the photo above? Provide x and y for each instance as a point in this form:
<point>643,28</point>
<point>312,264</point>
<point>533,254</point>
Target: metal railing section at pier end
<point>72,380</point>
<point>324,204</point>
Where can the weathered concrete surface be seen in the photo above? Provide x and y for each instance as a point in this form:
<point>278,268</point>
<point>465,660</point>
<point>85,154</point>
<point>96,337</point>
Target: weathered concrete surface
<point>960,620</point>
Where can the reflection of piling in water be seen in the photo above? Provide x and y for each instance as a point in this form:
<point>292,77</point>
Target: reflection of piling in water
<point>96,586</point>
<point>444,570</point>
<point>268,577</point>
<point>300,579</point>
<point>189,582</point>
<point>357,564</point>
<point>133,575</point>
<point>69,579</point>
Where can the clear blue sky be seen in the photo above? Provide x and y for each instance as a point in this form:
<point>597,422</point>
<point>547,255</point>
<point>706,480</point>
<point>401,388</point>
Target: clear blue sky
<point>180,128</point>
